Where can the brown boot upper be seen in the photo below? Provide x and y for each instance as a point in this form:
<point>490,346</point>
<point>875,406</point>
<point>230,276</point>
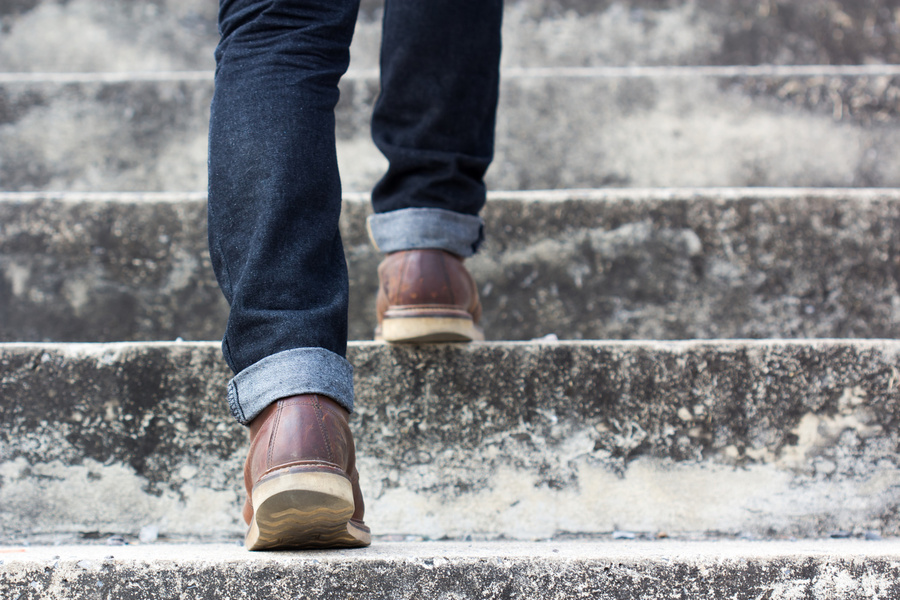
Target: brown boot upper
<point>299,433</point>
<point>427,282</point>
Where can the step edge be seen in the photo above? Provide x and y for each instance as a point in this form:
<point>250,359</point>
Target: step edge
<point>635,550</point>
<point>507,73</point>
<point>86,349</point>
<point>649,194</point>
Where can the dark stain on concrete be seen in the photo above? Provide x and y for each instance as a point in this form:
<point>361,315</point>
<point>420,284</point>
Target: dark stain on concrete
<point>14,106</point>
<point>14,8</point>
<point>844,32</point>
<point>867,100</point>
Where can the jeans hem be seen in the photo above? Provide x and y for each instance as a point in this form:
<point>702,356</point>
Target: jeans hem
<point>426,228</point>
<point>290,373</point>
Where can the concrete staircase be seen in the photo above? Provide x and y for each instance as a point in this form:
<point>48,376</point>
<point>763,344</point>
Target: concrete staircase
<point>690,284</point>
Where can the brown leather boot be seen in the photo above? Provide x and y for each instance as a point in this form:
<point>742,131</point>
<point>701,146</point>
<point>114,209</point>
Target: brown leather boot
<point>301,479</point>
<point>426,296</point>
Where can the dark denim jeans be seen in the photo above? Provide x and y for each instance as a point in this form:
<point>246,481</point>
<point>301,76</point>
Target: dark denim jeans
<point>274,188</point>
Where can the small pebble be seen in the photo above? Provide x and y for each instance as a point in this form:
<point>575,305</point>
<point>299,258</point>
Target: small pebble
<point>873,536</point>
<point>550,337</point>
<point>116,540</point>
<point>623,535</point>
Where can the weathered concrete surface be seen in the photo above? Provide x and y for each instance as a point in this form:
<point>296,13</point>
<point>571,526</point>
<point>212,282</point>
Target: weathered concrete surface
<point>135,135</point>
<point>128,35</point>
<point>664,128</point>
<point>453,571</point>
<point>812,126</point>
<point>617,264</point>
<point>95,270</point>
<point>497,439</point>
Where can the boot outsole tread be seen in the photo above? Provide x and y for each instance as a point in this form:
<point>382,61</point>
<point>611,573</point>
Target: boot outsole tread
<point>304,511</point>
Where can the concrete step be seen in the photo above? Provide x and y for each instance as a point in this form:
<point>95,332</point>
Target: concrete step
<point>125,35</point>
<point>613,264</point>
<point>515,440</point>
<point>557,128</point>
<point>832,570</point>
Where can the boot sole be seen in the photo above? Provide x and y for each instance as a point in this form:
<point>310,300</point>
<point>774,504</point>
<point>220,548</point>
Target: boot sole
<point>428,330</point>
<point>304,510</point>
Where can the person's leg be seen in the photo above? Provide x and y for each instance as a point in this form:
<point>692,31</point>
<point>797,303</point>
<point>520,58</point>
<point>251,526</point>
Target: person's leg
<point>275,195</point>
<point>274,204</point>
<point>434,121</point>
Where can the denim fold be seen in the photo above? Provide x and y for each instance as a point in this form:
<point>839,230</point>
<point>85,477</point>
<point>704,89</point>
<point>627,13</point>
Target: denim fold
<point>290,373</point>
<point>426,228</point>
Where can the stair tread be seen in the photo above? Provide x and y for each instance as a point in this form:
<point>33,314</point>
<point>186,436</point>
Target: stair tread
<point>549,570</point>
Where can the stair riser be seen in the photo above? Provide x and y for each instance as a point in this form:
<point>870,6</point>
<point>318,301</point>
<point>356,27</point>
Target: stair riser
<point>607,129</point>
<point>519,440</point>
<point>594,265</point>
<point>146,34</point>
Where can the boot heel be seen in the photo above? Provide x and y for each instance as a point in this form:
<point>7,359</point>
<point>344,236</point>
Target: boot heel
<point>309,509</point>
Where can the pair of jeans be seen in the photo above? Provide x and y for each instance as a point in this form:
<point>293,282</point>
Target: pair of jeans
<point>274,187</point>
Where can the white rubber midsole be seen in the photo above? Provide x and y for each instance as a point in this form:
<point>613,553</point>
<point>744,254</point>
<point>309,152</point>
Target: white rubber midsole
<point>329,484</point>
<point>430,329</point>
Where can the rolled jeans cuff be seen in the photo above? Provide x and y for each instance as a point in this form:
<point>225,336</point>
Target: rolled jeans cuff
<point>290,373</point>
<point>426,228</point>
